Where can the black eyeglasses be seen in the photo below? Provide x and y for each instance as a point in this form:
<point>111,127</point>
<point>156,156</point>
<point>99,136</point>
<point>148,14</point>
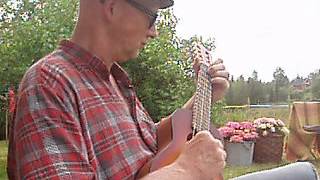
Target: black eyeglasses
<point>153,16</point>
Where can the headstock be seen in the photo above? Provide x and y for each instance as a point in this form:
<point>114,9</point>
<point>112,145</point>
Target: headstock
<point>201,54</point>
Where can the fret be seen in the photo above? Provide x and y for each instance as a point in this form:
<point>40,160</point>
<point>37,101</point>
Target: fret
<point>202,104</point>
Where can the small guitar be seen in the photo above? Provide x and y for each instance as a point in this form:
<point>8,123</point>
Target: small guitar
<point>171,144</point>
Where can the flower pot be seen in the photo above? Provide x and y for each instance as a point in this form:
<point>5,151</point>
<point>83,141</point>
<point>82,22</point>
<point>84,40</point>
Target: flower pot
<point>239,154</point>
<point>268,149</point>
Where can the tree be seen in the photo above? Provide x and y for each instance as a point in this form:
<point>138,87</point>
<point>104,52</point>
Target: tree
<point>281,84</point>
<point>255,75</point>
<point>255,88</point>
<point>29,30</point>
<point>315,88</point>
<point>314,75</point>
<point>240,92</point>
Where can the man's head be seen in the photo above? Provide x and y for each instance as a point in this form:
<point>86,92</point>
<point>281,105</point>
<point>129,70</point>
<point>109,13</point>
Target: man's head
<point>163,3</point>
<point>120,27</point>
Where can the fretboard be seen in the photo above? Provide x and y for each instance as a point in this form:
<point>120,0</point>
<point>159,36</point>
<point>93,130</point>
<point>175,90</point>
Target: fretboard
<point>202,105</point>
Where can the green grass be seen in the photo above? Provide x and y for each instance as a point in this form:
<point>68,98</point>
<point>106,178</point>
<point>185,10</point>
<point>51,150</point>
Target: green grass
<point>246,114</point>
<point>3,159</point>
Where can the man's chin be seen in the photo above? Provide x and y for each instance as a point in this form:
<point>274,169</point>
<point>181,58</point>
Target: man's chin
<point>135,54</point>
<point>129,56</point>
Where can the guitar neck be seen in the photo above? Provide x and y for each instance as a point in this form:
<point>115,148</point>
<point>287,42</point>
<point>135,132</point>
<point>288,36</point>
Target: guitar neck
<point>202,105</point>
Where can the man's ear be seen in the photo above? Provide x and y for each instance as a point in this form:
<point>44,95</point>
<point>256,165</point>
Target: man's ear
<point>109,8</point>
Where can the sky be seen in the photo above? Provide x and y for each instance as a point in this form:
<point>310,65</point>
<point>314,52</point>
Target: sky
<point>256,35</point>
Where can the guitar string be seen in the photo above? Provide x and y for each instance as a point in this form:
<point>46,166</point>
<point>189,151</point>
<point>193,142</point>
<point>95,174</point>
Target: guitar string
<point>202,105</point>
<point>203,101</point>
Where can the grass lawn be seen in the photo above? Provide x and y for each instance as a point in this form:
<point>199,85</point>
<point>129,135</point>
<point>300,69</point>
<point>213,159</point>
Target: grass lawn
<point>3,159</point>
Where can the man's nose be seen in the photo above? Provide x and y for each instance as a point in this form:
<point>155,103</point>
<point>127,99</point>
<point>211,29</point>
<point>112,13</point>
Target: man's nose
<point>152,32</point>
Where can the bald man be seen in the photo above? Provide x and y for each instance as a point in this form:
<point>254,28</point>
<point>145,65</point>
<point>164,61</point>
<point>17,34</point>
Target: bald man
<point>78,116</point>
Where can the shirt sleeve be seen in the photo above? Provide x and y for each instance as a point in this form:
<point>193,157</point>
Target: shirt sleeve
<point>46,140</point>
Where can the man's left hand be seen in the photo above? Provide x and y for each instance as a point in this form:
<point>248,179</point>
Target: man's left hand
<point>219,80</point>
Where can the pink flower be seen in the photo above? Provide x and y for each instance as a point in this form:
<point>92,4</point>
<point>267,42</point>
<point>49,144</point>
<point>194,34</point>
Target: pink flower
<point>246,125</point>
<point>234,125</point>
<point>226,131</point>
<point>239,131</point>
<point>250,136</point>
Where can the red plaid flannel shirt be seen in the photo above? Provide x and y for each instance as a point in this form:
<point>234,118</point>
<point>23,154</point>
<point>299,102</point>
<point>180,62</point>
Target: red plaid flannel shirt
<point>71,124</point>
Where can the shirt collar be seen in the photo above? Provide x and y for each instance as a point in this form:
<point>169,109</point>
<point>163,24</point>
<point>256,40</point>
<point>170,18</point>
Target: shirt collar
<point>85,59</point>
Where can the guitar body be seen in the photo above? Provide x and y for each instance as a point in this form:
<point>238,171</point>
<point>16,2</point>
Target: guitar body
<point>172,142</point>
<point>172,135</point>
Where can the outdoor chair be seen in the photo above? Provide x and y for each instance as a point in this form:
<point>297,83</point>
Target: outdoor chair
<point>303,122</point>
<point>315,129</point>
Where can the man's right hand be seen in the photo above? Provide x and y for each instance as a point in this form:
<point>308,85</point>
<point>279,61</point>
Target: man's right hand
<point>203,157</point>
